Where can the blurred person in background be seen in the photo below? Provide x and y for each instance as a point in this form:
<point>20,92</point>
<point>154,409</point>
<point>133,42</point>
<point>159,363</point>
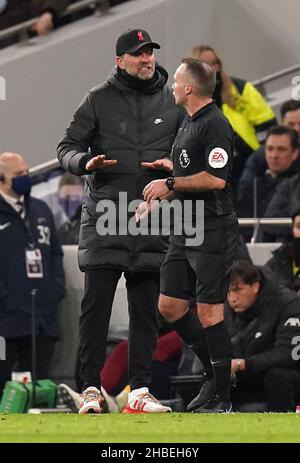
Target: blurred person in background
<point>13,12</point>
<point>31,258</point>
<point>263,319</point>
<point>47,12</point>
<point>290,115</point>
<point>63,193</point>
<point>256,164</point>
<point>285,263</point>
<point>68,232</point>
<point>242,104</point>
<point>286,198</point>
<point>281,162</point>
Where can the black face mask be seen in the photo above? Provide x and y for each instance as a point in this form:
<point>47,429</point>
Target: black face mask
<point>21,185</point>
<point>296,251</point>
<point>218,90</point>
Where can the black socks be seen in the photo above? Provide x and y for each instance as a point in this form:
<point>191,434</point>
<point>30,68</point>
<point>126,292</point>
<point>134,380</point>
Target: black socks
<point>219,346</point>
<point>212,346</point>
<point>190,330</point>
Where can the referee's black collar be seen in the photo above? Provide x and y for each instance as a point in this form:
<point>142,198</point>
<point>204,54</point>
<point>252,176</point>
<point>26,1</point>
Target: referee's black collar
<point>202,110</point>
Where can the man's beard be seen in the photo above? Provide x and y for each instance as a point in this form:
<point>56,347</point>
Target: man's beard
<point>141,76</point>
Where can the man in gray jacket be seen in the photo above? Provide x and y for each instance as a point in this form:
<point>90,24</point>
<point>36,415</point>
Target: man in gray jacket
<point>120,138</point>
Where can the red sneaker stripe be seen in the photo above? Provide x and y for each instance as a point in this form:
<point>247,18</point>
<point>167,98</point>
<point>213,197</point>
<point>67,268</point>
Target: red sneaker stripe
<point>127,409</point>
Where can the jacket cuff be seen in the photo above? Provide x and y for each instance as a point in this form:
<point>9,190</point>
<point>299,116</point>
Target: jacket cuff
<point>250,366</point>
<point>82,163</point>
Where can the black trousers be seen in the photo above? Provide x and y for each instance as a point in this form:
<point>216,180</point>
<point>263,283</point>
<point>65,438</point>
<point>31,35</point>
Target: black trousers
<point>18,357</point>
<point>142,295</point>
<point>279,388</point>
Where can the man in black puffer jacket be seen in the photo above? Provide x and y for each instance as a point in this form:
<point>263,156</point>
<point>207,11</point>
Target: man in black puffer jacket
<point>120,138</point>
<point>263,320</point>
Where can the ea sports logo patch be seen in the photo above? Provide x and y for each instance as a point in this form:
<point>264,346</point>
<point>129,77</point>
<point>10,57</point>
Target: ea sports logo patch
<point>184,159</point>
<point>217,158</point>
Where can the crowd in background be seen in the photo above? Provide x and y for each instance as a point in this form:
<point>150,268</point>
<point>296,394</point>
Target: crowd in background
<point>49,14</point>
<point>263,309</point>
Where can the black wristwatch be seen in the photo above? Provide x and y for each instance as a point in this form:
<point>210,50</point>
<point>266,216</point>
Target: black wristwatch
<point>170,183</point>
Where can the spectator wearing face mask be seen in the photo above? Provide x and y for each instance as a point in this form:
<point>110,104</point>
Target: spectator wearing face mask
<point>70,196</point>
<point>242,104</point>
<point>31,258</point>
<point>70,193</point>
<point>63,195</point>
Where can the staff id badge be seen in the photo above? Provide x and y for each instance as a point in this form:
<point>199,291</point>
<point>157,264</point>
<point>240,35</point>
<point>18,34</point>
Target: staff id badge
<point>34,263</point>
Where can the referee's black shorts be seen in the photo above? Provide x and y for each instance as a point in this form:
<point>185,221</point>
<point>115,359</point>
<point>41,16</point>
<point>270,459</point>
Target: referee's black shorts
<point>203,271</point>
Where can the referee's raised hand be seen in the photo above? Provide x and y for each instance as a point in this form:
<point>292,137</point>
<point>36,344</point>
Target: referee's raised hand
<point>99,162</point>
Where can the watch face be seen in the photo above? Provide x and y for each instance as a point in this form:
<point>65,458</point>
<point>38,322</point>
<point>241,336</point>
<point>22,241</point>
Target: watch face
<point>170,183</point>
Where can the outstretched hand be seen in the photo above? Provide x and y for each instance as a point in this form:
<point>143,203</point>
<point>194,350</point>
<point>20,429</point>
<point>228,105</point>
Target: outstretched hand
<point>159,164</point>
<point>99,162</point>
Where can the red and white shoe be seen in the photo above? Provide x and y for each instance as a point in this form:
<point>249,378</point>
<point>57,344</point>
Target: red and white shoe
<point>141,401</point>
<point>90,401</point>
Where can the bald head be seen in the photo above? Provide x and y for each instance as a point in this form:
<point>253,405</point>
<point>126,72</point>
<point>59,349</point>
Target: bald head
<point>11,165</point>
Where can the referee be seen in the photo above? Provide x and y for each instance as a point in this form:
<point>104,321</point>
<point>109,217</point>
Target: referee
<point>202,157</point>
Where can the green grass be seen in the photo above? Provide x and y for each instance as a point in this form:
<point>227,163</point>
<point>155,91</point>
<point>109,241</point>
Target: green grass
<point>172,428</point>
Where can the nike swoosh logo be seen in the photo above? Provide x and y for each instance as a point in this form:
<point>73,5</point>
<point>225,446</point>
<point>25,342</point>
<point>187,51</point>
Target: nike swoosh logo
<point>4,226</point>
<point>158,121</point>
<point>214,363</point>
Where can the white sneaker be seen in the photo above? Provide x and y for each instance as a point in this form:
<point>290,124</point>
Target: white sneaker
<point>68,397</point>
<point>90,401</point>
<point>141,401</point>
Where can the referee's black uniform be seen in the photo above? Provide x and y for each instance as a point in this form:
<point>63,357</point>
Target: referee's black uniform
<point>204,143</point>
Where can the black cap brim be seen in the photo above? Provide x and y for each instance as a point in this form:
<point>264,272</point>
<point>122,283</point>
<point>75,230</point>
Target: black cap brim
<point>144,44</point>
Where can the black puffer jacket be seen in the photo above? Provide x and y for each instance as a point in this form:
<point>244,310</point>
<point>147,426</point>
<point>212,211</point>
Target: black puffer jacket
<point>130,126</point>
<point>263,334</point>
<point>280,266</point>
